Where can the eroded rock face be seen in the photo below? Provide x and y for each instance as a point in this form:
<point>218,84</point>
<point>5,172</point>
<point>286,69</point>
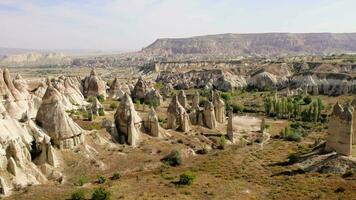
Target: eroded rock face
<point>117,91</point>
<point>219,107</point>
<point>178,118</point>
<point>153,97</point>
<point>152,123</point>
<point>219,79</point>
<point>16,166</point>
<point>332,84</point>
<point>263,80</point>
<point>93,85</point>
<point>340,130</point>
<point>167,90</point>
<point>70,88</point>
<point>182,98</point>
<point>128,122</point>
<point>230,128</point>
<point>51,116</point>
<point>17,101</point>
<point>209,115</point>
<point>141,89</point>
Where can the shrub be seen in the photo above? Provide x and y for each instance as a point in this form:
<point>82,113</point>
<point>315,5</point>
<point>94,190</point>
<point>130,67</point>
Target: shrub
<point>159,85</point>
<point>78,195</point>
<point>226,96</point>
<point>307,100</point>
<point>137,102</point>
<point>91,99</point>
<point>205,92</point>
<point>101,98</point>
<point>82,180</point>
<point>222,142</point>
<point>113,105</point>
<point>187,178</point>
<point>293,158</point>
<point>291,135</point>
<point>116,176</point>
<point>92,126</point>
<point>173,159</point>
<point>100,194</point>
<point>237,108</point>
<point>153,102</point>
<point>101,112</point>
<point>101,179</point>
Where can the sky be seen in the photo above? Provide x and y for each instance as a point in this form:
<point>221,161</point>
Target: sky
<point>133,24</point>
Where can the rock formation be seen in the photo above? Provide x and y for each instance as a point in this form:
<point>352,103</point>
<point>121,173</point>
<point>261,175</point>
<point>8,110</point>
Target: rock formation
<point>153,97</point>
<point>177,117</point>
<point>182,98</point>
<point>209,115</point>
<point>116,91</point>
<point>152,123</point>
<point>4,190</point>
<point>353,104</point>
<point>167,90</point>
<point>93,85</point>
<point>219,107</point>
<point>209,79</point>
<point>51,116</point>
<point>230,129</point>
<point>263,125</point>
<point>127,121</point>
<point>340,130</point>
<point>96,107</point>
<point>141,89</point>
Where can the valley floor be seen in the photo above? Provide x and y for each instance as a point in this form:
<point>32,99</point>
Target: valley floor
<point>237,172</point>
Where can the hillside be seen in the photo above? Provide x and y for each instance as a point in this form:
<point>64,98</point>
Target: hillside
<point>264,44</point>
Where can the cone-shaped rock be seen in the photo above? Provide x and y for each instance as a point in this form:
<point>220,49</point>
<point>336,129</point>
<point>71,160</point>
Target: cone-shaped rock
<point>219,107</point>
<point>209,115</point>
<point>177,116</point>
<point>152,123</point>
<point>140,90</point>
<point>51,116</point>
<point>93,85</point>
<point>127,121</point>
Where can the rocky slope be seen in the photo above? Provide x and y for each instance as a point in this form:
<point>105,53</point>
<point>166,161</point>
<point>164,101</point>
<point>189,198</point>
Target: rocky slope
<point>265,44</point>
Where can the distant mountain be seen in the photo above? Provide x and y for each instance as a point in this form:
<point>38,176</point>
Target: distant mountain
<point>259,44</point>
<point>32,59</point>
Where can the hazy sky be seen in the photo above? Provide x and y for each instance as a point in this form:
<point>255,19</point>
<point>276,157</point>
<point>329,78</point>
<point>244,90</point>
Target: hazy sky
<point>133,24</point>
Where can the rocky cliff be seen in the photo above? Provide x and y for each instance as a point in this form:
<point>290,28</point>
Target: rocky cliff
<point>264,44</point>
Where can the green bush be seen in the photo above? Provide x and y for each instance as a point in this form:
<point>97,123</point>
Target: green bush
<point>115,176</point>
<point>307,100</point>
<point>92,126</point>
<point>159,85</point>
<point>293,158</point>
<point>82,180</point>
<point>291,134</point>
<point>78,195</point>
<point>173,159</point>
<point>222,142</point>
<point>91,99</point>
<point>153,102</point>
<point>100,194</point>
<point>187,178</point>
<point>113,105</point>
<point>101,112</point>
<point>101,179</point>
<point>237,108</point>
<point>101,98</point>
<point>226,96</point>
